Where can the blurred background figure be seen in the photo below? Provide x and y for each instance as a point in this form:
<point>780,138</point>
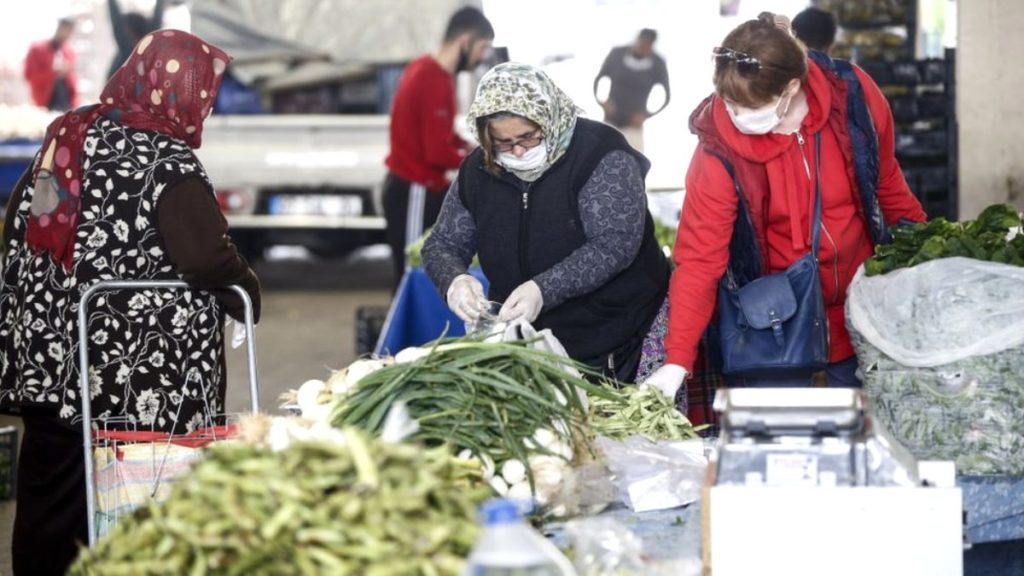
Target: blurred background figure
<point>816,28</point>
<point>129,28</point>
<point>633,71</point>
<point>424,144</point>
<point>50,69</point>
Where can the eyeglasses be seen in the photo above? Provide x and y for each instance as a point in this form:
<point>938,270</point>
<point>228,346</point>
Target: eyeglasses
<point>530,141</point>
<point>746,64</point>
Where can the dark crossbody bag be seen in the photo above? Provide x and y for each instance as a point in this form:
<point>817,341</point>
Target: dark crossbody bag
<point>776,325</point>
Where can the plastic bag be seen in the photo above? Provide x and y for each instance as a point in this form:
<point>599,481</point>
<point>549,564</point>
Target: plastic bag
<point>941,311</point>
<point>655,475</point>
<point>941,353</point>
<point>604,546</point>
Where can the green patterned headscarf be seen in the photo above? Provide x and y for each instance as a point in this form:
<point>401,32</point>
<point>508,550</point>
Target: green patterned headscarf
<point>526,91</point>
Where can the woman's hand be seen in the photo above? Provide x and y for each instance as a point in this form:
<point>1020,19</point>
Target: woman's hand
<point>666,379</point>
<point>466,297</point>
<point>525,302</point>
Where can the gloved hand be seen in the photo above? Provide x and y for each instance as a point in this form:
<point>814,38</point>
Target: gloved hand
<point>466,297</point>
<point>666,379</point>
<point>524,302</point>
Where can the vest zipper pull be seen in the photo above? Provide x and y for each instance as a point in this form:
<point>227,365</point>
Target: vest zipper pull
<point>526,201</point>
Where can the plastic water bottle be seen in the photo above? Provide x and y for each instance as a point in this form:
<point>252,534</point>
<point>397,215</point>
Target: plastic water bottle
<point>508,546</point>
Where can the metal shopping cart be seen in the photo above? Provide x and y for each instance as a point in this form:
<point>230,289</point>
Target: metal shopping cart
<point>125,466</point>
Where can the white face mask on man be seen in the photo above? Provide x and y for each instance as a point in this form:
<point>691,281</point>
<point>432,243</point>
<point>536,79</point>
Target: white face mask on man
<point>530,160</point>
<point>760,120</point>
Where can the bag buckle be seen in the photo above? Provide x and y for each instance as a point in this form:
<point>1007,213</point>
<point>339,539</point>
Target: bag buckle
<point>776,323</point>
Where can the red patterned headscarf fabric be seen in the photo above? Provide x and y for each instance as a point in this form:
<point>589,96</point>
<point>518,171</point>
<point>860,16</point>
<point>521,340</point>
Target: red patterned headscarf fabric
<point>167,85</point>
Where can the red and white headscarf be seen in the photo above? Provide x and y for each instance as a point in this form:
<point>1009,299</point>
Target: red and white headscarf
<point>167,85</point>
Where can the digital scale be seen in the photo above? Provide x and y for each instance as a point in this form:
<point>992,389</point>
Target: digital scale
<point>804,482</point>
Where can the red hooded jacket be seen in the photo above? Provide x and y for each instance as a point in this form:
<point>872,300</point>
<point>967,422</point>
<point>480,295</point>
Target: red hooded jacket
<point>40,73</point>
<point>710,206</point>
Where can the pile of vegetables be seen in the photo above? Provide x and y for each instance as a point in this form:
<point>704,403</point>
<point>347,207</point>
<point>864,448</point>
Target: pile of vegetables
<point>354,506</point>
<point>638,410</point>
<point>519,410</point>
<point>984,238</point>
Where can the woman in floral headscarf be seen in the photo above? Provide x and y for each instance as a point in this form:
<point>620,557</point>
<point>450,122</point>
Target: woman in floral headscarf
<point>116,193</point>
<point>554,205</point>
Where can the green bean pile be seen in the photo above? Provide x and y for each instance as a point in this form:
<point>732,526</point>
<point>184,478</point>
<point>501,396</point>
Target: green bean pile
<point>489,398</point>
<point>643,411</point>
<point>314,508</point>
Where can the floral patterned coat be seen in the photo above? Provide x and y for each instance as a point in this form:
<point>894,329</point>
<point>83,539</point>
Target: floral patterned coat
<point>156,357</point>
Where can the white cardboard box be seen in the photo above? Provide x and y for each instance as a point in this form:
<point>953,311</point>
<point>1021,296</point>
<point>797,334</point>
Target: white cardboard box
<point>856,531</point>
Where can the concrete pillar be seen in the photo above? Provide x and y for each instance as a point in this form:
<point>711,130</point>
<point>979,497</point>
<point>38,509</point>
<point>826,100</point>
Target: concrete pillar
<point>990,103</point>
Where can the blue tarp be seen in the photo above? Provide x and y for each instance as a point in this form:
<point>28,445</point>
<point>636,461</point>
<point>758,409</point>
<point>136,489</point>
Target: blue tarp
<point>418,314</point>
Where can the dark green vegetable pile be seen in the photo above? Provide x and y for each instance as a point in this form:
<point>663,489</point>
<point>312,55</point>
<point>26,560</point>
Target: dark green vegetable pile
<point>981,239</point>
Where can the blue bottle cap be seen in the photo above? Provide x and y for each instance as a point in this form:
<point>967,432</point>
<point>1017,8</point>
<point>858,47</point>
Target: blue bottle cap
<point>500,511</point>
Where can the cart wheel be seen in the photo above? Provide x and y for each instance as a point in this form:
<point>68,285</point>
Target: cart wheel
<point>369,323</point>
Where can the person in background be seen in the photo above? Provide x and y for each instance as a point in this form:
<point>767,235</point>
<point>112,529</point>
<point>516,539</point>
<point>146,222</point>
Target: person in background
<point>50,70</point>
<point>756,139</point>
<point>115,193</point>
<point>555,206</point>
<point>129,28</point>
<point>633,71</point>
<point>816,28</point>
<point>424,145</point>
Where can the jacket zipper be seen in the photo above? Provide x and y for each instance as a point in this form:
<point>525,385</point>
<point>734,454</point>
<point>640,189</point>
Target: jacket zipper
<point>524,230</point>
<point>835,248</point>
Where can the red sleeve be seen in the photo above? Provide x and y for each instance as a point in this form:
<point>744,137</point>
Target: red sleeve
<point>72,78</point>
<point>442,146</point>
<point>701,255</point>
<point>894,196</point>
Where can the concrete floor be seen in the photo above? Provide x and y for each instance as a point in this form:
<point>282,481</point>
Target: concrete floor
<point>307,329</point>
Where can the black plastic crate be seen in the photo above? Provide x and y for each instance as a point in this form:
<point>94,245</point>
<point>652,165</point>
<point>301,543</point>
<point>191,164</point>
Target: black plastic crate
<point>880,72</point>
<point>923,144</point>
<point>905,72</point>
<point>904,108</point>
<point>934,181</point>
<point>932,105</point>
<point>932,70</point>
<point>8,461</point>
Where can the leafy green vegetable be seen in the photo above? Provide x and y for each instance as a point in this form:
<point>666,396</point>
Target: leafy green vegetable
<point>982,239</point>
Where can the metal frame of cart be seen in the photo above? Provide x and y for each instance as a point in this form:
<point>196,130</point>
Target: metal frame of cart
<point>83,317</point>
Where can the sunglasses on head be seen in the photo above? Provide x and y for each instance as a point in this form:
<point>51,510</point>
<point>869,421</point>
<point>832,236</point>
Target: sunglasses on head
<point>746,64</point>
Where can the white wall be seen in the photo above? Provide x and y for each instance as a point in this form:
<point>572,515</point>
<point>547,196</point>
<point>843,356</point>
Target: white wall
<point>990,103</point>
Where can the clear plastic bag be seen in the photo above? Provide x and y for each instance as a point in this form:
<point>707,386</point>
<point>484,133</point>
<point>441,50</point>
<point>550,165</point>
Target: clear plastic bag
<point>655,475</point>
<point>605,547</point>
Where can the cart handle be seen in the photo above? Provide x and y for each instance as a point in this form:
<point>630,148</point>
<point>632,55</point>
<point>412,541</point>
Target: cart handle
<point>83,357</point>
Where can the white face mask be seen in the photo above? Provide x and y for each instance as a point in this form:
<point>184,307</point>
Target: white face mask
<point>531,160</point>
<point>760,121</point>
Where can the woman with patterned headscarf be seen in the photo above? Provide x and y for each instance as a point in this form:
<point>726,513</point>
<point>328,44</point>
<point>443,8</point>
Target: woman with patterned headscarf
<point>116,193</point>
<point>554,205</point>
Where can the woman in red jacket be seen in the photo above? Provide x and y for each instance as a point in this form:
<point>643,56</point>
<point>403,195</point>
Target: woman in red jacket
<point>756,137</point>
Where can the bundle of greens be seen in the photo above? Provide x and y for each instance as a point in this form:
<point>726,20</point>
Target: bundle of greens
<point>498,402</point>
<point>984,238</point>
<point>643,411</point>
<point>357,507</point>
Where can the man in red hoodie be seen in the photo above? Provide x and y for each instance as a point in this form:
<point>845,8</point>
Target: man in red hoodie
<point>770,102</point>
<point>424,145</point>
<point>50,70</point>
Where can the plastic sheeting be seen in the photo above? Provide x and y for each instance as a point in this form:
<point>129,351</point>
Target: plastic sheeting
<point>350,33</point>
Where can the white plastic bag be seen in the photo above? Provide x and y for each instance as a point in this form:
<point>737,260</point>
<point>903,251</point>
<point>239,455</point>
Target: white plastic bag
<point>941,311</point>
